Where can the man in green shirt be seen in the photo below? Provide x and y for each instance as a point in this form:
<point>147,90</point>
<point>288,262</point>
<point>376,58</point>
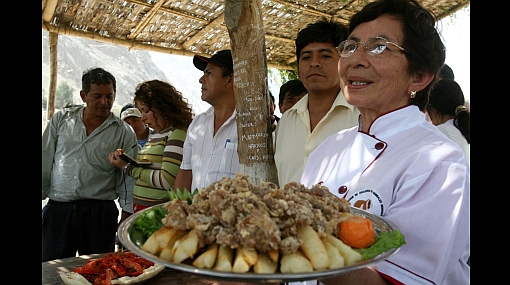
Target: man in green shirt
<point>78,178</point>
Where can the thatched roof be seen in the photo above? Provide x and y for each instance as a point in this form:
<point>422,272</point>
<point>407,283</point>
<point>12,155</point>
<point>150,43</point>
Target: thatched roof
<point>187,27</point>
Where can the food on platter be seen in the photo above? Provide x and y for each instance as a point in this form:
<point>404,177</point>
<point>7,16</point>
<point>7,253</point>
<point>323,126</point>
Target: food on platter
<point>224,259</point>
<point>295,263</point>
<point>150,221</point>
<point>114,268</point>
<point>337,260</point>
<point>208,258</point>
<point>350,255</point>
<point>186,247</point>
<point>383,242</point>
<point>313,248</point>
<point>357,232</point>
<point>265,264</point>
<point>235,226</point>
<point>241,263</point>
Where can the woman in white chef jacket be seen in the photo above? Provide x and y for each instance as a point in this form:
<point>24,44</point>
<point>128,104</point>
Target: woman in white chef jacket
<point>395,164</point>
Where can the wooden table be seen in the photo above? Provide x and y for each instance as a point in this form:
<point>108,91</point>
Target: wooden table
<point>52,269</point>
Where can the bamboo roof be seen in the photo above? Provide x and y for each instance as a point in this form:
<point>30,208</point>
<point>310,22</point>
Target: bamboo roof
<point>189,27</point>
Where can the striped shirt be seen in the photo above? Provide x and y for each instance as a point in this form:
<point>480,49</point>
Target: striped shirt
<point>164,150</point>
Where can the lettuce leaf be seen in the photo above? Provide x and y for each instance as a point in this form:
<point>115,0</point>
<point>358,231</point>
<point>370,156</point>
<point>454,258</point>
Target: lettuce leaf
<point>383,242</point>
<point>150,221</point>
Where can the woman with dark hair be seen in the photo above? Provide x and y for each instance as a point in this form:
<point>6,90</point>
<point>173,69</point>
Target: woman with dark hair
<point>448,113</point>
<point>164,109</point>
<point>396,164</point>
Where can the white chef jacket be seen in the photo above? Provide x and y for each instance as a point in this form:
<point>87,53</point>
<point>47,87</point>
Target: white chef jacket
<point>406,171</point>
<point>209,157</point>
<point>295,140</point>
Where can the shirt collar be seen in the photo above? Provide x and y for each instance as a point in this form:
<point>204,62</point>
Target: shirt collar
<point>302,105</point>
<point>396,121</point>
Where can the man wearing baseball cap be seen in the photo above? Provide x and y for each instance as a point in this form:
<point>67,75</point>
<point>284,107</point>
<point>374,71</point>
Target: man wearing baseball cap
<point>210,148</point>
<point>131,115</point>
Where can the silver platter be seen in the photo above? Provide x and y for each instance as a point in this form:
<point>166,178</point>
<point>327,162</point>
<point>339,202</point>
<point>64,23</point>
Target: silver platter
<point>379,224</point>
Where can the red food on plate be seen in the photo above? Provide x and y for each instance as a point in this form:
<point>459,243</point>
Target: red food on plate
<point>115,268</point>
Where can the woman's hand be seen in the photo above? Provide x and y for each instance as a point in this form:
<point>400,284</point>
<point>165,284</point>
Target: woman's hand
<point>115,159</point>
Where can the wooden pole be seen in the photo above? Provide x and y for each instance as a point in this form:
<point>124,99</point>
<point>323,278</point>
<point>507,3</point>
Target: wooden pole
<point>53,41</point>
<point>246,30</point>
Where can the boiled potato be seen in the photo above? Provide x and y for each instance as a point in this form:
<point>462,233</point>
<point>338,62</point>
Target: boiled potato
<point>350,255</point>
<point>295,263</point>
<point>224,259</point>
<point>264,264</point>
<point>313,248</point>
<point>207,258</point>
<point>186,247</point>
<point>240,263</point>
<point>337,260</point>
<point>151,245</point>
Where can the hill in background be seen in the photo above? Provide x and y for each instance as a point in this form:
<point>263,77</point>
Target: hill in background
<point>130,67</point>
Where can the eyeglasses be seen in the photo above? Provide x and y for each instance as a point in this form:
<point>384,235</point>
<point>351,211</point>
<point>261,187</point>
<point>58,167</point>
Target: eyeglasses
<point>373,46</point>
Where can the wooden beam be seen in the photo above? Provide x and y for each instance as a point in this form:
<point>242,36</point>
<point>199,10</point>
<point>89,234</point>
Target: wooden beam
<point>216,22</point>
<point>143,23</point>
<point>170,11</point>
<point>304,9</point>
<point>131,44</point>
<point>49,10</point>
<point>127,43</point>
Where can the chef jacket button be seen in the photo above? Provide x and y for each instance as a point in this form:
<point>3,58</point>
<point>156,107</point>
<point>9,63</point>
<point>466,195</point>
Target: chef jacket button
<point>379,146</point>
<point>342,189</point>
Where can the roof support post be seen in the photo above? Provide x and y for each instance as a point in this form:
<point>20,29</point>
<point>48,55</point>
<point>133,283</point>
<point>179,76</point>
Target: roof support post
<point>53,41</point>
<point>247,40</point>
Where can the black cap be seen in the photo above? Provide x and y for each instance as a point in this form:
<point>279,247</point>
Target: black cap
<point>447,72</point>
<point>223,58</point>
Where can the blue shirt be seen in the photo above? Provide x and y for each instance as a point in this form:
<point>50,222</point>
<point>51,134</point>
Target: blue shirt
<point>76,166</point>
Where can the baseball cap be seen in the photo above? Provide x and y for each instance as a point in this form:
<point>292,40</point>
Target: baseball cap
<point>131,112</point>
<point>223,58</point>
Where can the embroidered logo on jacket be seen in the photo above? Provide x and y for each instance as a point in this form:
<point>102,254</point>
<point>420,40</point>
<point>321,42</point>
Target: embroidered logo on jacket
<point>368,200</point>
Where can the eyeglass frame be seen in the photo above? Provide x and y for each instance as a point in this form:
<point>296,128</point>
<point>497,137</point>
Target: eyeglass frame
<point>365,48</point>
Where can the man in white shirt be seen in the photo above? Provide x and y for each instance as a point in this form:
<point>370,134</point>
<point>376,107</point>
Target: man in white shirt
<point>320,113</point>
<point>210,149</point>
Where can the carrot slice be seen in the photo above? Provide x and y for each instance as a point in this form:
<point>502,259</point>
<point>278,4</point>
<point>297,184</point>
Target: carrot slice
<point>356,231</point>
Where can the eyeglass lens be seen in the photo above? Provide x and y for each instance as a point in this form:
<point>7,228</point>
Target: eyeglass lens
<point>373,46</point>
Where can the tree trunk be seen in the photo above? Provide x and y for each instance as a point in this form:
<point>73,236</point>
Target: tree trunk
<point>53,41</point>
<point>247,41</point>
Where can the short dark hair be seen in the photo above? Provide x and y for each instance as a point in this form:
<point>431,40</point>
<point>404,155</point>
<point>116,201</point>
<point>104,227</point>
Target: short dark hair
<point>97,76</point>
<point>322,31</point>
<point>447,72</point>
<point>294,87</point>
<point>425,49</point>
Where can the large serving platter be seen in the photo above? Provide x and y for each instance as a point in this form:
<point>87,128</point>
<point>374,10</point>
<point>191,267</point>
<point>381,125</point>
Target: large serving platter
<point>379,224</point>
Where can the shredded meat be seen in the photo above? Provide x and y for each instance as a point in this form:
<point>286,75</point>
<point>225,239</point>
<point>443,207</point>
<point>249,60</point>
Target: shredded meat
<point>236,213</point>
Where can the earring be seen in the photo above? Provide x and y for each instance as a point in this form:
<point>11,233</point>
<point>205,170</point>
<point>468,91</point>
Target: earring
<point>413,94</point>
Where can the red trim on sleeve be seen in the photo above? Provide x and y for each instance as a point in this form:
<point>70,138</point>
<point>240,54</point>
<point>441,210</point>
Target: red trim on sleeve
<point>390,279</point>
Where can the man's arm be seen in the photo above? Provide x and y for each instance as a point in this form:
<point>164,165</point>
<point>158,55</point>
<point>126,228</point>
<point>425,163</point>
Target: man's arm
<point>49,145</point>
<point>124,182</point>
<point>363,276</point>
<point>183,180</point>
